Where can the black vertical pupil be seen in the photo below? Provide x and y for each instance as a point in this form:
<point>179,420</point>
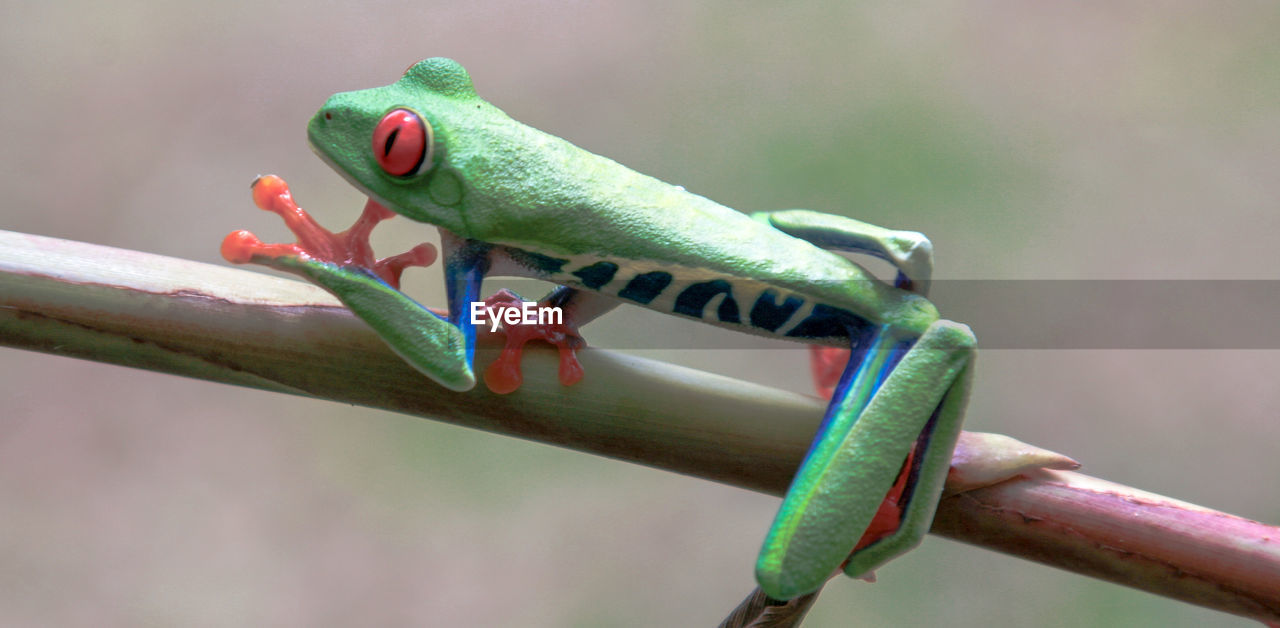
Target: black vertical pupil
<point>391,140</point>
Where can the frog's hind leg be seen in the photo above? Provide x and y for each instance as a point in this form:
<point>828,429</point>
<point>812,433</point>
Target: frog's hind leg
<point>934,446</point>
<point>910,252</point>
<point>890,400</point>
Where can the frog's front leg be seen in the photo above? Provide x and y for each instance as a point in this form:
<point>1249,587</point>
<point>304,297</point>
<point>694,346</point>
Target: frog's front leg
<point>344,265</point>
<point>885,404</point>
<point>571,309</point>
<point>576,308</point>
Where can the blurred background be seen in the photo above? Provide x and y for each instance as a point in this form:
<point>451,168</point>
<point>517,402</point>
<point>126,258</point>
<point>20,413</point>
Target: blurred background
<point>1082,141</point>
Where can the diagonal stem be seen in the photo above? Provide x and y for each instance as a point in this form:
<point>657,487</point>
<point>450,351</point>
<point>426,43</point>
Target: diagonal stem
<point>238,327</point>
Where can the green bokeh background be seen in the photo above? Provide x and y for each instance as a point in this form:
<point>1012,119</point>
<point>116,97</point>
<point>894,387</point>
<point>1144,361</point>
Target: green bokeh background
<point>1080,141</point>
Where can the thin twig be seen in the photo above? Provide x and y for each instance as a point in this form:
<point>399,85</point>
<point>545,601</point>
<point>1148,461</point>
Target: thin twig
<point>758,610</point>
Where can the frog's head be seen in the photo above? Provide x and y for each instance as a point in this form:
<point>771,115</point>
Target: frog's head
<point>389,141</point>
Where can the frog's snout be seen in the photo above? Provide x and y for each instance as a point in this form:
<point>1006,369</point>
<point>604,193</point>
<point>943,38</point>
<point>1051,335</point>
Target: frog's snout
<point>339,116</point>
<point>325,118</point>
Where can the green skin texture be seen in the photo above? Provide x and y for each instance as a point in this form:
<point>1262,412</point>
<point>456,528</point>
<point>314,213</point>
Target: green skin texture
<point>494,180</point>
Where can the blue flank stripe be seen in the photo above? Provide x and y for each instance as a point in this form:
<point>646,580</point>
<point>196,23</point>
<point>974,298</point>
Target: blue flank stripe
<point>870,358</point>
<point>462,282</point>
<point>895,357</point>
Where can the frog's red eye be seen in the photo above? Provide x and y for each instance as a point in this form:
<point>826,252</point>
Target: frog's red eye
<point>402,143</point>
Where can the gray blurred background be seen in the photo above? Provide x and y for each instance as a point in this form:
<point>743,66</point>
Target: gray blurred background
<point>1083,141</point>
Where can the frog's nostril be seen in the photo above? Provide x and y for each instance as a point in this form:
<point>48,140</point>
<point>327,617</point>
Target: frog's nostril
<point>328,115</point>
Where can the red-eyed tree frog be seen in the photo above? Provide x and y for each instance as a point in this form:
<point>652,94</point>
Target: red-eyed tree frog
<point>511,200</point>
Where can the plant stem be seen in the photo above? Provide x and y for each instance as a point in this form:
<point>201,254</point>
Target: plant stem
<point>238,327</point>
